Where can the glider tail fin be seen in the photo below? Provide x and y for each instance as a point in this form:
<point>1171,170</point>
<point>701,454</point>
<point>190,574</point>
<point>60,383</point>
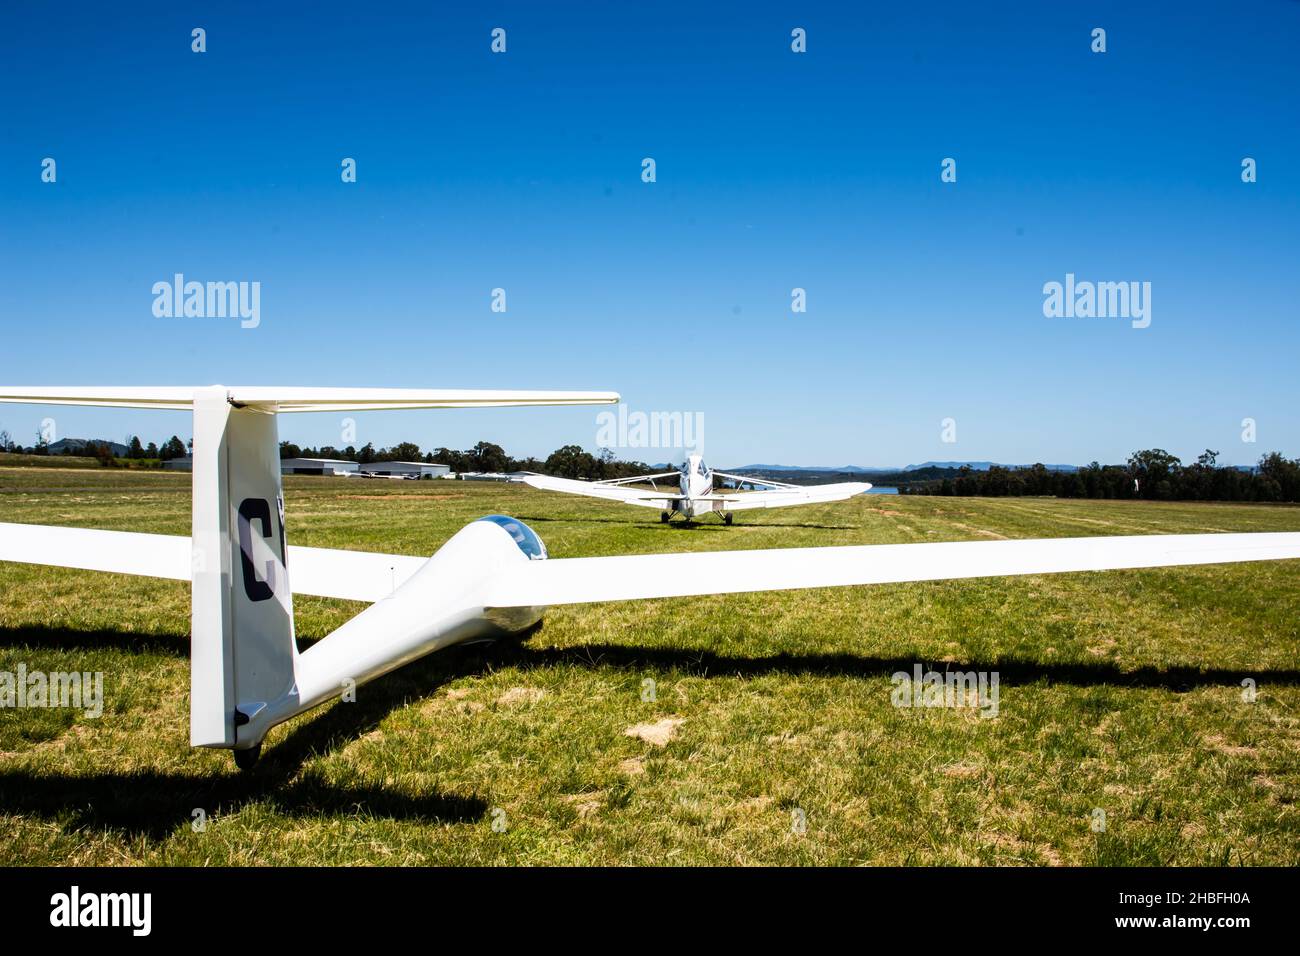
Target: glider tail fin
<point>243,656</point>
<point>244,662</point>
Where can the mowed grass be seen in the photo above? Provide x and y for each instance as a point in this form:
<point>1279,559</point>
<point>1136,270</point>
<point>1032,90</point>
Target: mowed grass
<point>772,736</point>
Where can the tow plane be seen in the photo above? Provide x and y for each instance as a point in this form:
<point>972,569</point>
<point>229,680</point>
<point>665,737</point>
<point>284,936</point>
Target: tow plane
<point>696,492</point>
<point>493,578</point>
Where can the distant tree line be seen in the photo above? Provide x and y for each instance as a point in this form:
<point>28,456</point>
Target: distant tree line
<point>171,448</point>
<point>571,461</point>
<point>1153,474</point>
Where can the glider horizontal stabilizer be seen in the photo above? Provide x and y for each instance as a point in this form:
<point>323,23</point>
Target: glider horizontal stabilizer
<point>296,399</point>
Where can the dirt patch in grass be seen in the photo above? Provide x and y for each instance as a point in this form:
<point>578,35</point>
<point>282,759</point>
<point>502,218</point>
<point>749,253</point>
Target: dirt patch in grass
<point>521,695</point>
<point>1217,743</point>
<point>399,495</point>
<point>982,531</point>
<point>585,803</point>
<point>658,733</point>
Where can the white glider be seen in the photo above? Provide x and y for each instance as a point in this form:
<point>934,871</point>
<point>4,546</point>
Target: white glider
<point>695,493</point>
<point>491,578</point>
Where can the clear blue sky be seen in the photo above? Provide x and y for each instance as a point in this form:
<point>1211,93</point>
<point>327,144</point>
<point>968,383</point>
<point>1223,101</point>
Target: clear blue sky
<point>775,170</point>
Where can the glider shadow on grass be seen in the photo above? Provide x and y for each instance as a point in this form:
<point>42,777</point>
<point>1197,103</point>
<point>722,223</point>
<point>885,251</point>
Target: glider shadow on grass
<point>156,805</point>
<point>423,677</point>
<point>1010,672</point>
<point>100,639</point>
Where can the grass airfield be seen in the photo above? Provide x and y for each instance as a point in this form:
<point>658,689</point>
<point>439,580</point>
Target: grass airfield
<point>770,738</point>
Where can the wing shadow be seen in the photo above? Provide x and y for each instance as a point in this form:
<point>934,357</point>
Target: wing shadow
<point>154,804</point>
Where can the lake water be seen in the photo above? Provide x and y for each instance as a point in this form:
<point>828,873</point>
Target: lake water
<point>882,491</point>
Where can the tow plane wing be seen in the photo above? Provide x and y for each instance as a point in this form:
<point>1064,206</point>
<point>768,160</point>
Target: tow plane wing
<point>610,491</point>
<point>746,479</point>
<point>794,495</point>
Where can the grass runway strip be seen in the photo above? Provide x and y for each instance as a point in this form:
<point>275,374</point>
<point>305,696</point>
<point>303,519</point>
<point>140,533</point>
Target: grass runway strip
<point>718,730</point>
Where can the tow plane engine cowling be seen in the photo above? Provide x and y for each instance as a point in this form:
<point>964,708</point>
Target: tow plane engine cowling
<point>441,604</point>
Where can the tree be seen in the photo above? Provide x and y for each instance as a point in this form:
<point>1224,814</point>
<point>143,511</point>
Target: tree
<point>174,448</point>
<point>151,451</point>
<point>1283,473</point>
<point>135,450</point>
<point>102,453</point>
<point>457,461</point>
<point>405,451</point>
<point>607,463</point>
<point>6,441</point>
<point>997,481</point>
<point>1155,470</point>
<point>486,456</point>
<point>570,461</point>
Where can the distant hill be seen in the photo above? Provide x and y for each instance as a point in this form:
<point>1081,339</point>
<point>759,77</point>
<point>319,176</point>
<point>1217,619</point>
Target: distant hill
<point>77,446</point>
<point>984,466</point>
<point>841,470</point>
